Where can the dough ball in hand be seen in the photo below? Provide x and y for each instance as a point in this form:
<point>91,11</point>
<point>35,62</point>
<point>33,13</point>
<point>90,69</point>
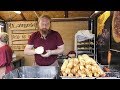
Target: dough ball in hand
<point>39,50</point>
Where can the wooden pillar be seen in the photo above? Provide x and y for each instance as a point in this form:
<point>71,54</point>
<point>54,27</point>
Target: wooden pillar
<point>66,14</point>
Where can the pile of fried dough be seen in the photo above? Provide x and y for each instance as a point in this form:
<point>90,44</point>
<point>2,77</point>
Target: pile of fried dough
<point>83,66</point>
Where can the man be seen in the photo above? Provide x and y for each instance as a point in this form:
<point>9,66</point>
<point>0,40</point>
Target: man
<point>47,41</point>
<point>5,55</point>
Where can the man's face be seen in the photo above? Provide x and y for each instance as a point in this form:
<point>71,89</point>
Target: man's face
<point>44,25</point>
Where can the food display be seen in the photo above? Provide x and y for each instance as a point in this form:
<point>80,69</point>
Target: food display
<point>83,66</point>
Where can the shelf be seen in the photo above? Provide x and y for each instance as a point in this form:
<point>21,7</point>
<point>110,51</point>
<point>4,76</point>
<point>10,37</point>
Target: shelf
<point>79,46</point>
<point>85,47</point>
<point>87,40</point>
<point>85,43</point>
<point>83,52</point>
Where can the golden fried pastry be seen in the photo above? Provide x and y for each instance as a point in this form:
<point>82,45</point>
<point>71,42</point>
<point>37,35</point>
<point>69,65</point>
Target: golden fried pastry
<point>80,57</point>
<point>70,75</point>
<point>90,75</point>
<point>76,68</point>
<point>96,75</point>
<point>83,75</point>
<point>79,72</point>
<point>70,65</point>
<point>85,56</point>
<point>67,70</point>
<point>77,75</point>
<point>76,61</point>
<point>81,67</point>
<point>64,74</point>
<point>63,68</point>
<point>82,62</point>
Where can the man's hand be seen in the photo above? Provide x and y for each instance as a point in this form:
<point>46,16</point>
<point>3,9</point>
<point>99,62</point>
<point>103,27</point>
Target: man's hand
<point>39,50</point>
<point>57,51</point>
<point>47,54</point>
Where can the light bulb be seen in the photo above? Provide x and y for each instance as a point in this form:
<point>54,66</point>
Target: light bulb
<point>18,12</point>
<point>96,11</point>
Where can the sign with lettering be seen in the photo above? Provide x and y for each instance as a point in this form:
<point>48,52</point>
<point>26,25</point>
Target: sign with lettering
<point>22,25</point>
<point>20,36</point>
<point>19,33</point>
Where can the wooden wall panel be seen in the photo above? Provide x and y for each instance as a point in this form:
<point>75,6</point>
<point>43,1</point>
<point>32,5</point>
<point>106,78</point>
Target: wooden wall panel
<point>67,30</point>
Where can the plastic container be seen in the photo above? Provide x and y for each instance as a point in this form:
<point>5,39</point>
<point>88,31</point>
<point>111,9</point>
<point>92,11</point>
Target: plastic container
<point>39,72</point>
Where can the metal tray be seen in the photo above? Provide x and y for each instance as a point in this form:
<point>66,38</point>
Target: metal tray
<point>48,72</point>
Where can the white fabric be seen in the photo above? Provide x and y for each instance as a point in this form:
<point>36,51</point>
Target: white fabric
<point>83,35</point>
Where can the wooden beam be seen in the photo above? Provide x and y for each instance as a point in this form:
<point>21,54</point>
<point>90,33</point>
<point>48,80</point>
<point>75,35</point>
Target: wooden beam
<point>23,16</point>
<point>62,19</point>
<point>66,14</point>
<point>96,14</point>
<point>36,14</point>
<point>70,19</point>
<point>92,13</point>
<point>10,19</point>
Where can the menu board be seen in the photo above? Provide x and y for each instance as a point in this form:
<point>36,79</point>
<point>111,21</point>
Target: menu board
<point>19,33</point>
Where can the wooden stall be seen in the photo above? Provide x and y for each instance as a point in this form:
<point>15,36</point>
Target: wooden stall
<point>19,32</point>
